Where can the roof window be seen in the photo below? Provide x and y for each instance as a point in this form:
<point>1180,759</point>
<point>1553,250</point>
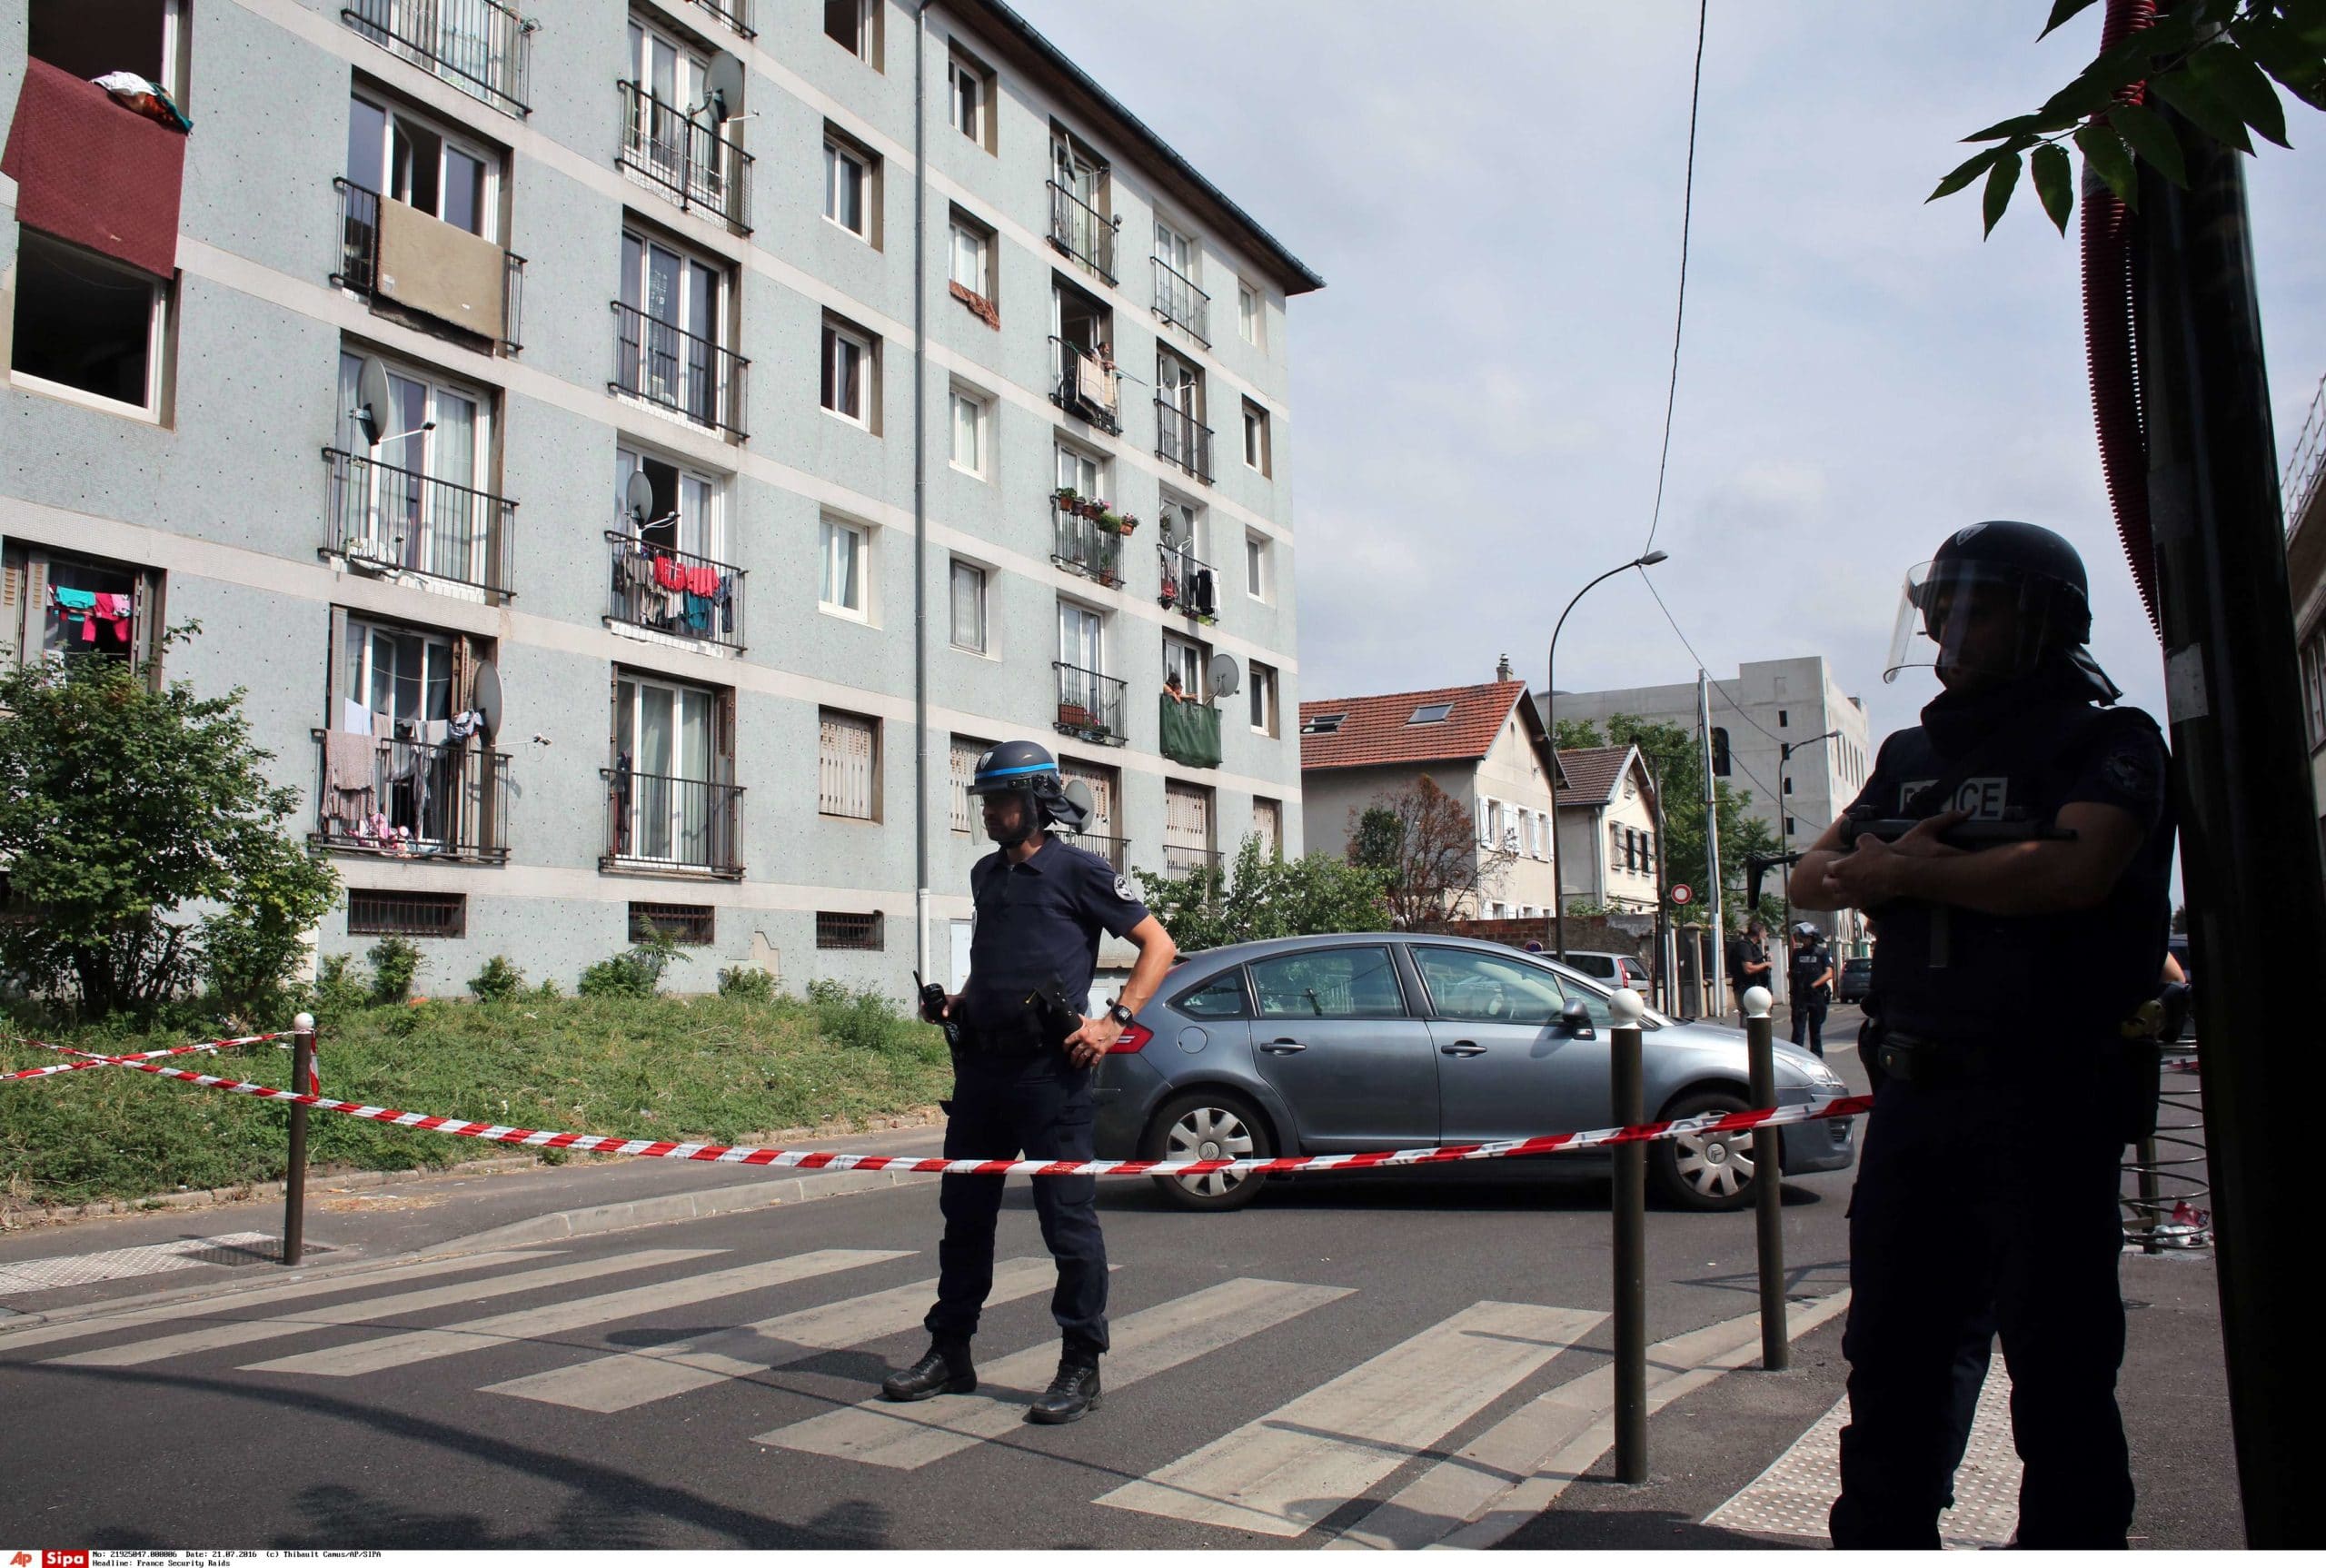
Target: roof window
<point>1323,724</point>
<point>1431,713</point>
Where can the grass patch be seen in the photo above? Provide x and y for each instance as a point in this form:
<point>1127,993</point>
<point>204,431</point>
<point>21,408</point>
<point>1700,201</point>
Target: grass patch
<point>712,1069</point>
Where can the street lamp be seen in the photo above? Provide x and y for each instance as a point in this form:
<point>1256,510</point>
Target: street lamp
<point>1551,725</point>
<point>1785,829</point>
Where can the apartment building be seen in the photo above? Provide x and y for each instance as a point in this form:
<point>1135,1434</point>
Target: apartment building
<point>2305,503</point>
<point>635,453</point>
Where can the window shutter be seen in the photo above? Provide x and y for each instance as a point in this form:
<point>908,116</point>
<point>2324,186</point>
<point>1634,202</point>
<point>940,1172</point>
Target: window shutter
<point>961,769</point>
<point>844,766</point>
<point>12,596</point>
<point>335,670</point>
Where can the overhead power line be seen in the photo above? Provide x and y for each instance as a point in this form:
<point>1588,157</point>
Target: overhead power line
<point>1680,309</point>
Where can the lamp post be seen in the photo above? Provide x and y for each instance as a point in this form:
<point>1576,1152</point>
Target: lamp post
<point>1784,836</point>
<point>1551,727</point>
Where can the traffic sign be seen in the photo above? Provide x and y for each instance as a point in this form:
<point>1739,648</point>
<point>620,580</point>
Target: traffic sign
<point>1682,892</point>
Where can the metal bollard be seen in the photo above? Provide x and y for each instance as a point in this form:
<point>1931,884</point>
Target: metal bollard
<point>295,1179</point>
<point>1625,1078</point>
<point>1768,1191</point>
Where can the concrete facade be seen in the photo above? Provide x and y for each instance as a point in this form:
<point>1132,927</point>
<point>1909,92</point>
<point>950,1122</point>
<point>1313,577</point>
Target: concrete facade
<point>218,498</point>
<point>1607,839</point>
<point>2306,583</point>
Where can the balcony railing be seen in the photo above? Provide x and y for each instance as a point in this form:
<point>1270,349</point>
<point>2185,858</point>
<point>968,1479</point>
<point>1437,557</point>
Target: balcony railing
<point>1082,232</point>
<point>690,376</point>
<point>1087,385</point>
<point>384,518</point>
<point>656,822</point>
<point>736,14</point>
<point>1188,732</point>
<point>685,159</point>
<point>481,46</point>
<point>1187,860</point>
<point>411,799</point>
<point>1180,302</point>
<point>1181,440</point>
<point>359,260</point>
<point>1089,705</point>
<point>1080,544</point>
<point>1115,852</point>
<point>669,591</point>
<point>1186,584</point>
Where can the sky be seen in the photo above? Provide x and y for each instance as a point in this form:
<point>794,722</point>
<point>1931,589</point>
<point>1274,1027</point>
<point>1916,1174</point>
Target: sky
<point>1492,193</point>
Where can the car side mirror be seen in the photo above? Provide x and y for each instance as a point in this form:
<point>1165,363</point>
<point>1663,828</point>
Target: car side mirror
<point>1575,1018</point>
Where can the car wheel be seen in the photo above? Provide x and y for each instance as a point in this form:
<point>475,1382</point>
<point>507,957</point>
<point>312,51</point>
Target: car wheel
<point>1208,1124</point>
<point>1707,1173</point>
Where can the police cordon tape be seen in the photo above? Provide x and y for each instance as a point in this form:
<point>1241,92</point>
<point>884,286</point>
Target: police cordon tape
<point>99,1059</point>
<point>811,1159</point>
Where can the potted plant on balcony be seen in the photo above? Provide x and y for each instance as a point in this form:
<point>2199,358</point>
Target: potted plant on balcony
<point>1064,496</point>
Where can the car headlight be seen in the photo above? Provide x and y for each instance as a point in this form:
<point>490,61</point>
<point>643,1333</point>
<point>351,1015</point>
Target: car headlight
<point>1823,1077</point>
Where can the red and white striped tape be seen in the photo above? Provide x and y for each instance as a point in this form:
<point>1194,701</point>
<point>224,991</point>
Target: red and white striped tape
<point>808,1159</point>
<point>99,1059</point>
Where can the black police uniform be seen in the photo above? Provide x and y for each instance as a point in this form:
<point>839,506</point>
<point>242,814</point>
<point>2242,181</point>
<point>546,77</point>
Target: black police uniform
<point>1743,950</point>
<point>1037,925</point>
<point>1810,999</point>
<point>1988,1175</point>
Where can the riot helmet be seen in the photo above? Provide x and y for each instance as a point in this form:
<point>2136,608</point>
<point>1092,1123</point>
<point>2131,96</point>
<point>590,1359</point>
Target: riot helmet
<point>1029,771</point>
<point>1996,601</point>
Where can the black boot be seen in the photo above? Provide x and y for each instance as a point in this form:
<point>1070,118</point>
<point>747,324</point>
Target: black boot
<point>946,1369</point>
<point>1072,1393</point>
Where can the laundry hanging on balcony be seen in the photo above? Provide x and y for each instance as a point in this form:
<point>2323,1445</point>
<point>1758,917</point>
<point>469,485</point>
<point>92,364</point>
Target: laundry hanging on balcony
<point>93,172</point>
<point>83,612</point>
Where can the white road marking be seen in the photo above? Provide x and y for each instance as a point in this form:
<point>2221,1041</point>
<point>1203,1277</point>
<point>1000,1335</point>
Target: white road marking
<point>1281,1473</point>
<point>635,1377</point>
<point>132,1262</point>
<point>435,1344</point>
<point>908,1436</point>
<point>219,1336</point>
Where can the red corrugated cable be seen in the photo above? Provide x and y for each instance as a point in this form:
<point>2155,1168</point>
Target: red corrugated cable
<point>2108,340</point>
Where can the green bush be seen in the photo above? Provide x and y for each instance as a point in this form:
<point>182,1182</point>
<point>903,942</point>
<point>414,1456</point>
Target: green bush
<point>338,990</point>
<point>747,983</point>
<point>636,972</point>
<point>396,963</point>
<point>499,981</point>
<point>864,1019</point>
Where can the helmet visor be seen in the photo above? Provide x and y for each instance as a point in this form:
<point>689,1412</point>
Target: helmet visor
<point>1977,619</point>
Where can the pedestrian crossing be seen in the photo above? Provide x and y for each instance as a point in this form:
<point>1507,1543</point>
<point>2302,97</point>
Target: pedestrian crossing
<point>1380,1412</point>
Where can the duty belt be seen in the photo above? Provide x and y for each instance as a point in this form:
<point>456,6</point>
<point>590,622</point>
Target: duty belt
<point>1933,1064</point>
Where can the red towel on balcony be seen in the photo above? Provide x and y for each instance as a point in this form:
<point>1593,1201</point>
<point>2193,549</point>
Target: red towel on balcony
<point>93,172</point>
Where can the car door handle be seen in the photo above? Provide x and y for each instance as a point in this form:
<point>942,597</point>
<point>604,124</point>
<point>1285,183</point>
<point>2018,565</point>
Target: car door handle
<point>1463,1049</point>
<point>1283,1048</point>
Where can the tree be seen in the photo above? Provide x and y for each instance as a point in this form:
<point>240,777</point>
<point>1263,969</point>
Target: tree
<point>1427,844</point>
<point>1675,758</point>
<point>120,806</point>
<point>2210,61</point>
<point>1264,898</point>
<point>1577,735</point>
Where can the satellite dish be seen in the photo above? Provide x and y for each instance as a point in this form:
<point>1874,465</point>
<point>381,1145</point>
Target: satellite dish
<point>1225,676</point>
<point>375,408</point>
<point>638,498</point>
<point>488,697</point>
<point>723,93</point>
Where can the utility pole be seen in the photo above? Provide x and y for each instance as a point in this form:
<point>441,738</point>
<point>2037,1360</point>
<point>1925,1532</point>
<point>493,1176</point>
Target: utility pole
<point>1712,844</point>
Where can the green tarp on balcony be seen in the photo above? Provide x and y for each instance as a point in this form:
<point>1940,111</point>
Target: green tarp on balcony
<point>1190,733</point>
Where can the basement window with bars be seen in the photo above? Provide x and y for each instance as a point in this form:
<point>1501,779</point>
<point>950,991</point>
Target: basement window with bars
<point>400,912</point>
<point>840,932</point>
<point>689,925</point>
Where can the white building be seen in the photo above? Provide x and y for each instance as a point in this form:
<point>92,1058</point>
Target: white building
<point>1609,830</point>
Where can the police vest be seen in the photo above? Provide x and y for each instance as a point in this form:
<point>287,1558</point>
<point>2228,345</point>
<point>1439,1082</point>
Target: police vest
<point>1963,976</point>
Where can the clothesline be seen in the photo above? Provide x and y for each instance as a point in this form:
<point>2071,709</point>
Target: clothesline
<point>83,609</point>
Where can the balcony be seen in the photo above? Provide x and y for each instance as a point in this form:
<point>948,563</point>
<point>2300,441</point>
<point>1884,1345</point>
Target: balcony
<point>693,377</point>
<point>411,799</point>
<point>1084,541</point>
<point>736,14</point>
<point>1189,732</point>
<point>1089,705</point>
<point>1087,385</point>
<point>1115,852</point>
<point>689,161</point>
<point>654,822</point>
<point>402,260</point>
<point>1179,302</point>
<point>1082,232</point>
<point>384,519</point>
<point>481,46</point>
<point>1186,584</point>
<point>1182,440</point>
<point>673,593</point>
<point>1189,860</point>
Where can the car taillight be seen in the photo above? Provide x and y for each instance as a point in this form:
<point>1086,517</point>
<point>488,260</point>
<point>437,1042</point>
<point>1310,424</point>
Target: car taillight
<point>1133,1036</point>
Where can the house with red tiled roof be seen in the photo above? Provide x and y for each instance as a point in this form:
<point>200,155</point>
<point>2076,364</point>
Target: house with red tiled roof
<point>1484,745</point>
<point>1609,828</point>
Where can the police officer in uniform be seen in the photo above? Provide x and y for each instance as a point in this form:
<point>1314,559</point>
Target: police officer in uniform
<point>1811,978</point>
<point>1748,962</point>
<point>1022,1059</point>
<point>1989,1174</point>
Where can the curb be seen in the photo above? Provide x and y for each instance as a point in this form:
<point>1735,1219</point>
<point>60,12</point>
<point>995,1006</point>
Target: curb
<point>604,1219</point>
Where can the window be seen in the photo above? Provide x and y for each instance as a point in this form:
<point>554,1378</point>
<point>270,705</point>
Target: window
<point>1431,713</point>
<point>1545,819</point>
<point>1789,828</point>
<point>1081,473</point>
<point>91,37</point>
<point>971,413</point>
<point>1256,566</point>
<point>1323,724</point>
<point>397,912</point>
<point>1527,833</point>
<point>1720,760</point>
<point>416,501</point>
<point>840,932</point>
<point>851,186</point>
<point>1478,988</point>
<point>684,516</point>
<point>969,99</point>
<point>689,925</point>
<point>56,606</point>
<point>969,607</point>
<point>1339,983</point>
<point>1268,826</point>
<point>1185,659</point>
<point>1781,718</point>
<point>1256,438</point>
<point>961,769</point>
<point>1787,782</point>
<point>1482,818</point>
<point>971,255</point>
<point>1221,997</point>
<point>396,154</point>
<point>1099,836</point>
<point>1249,319</point>
<point>855,27</point>
<point>1081,637</point>
<point>843,554</point>
<point>672,790</point>
<point>850,364</point>
<point>671,323</point>
<point>87,326</point>
<point>847,765</point>
<point>1263,699</point>
<point>1187,828</point>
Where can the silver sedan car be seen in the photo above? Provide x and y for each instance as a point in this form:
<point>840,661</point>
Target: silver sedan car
<point>1389,1040</point>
